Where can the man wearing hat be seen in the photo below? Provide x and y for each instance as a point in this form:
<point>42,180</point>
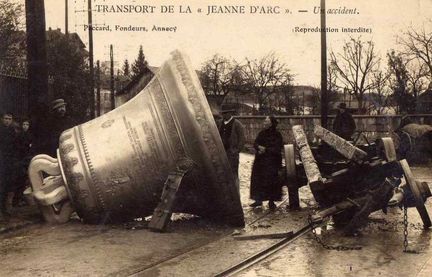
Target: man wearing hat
<point>58,107</point>
<point>57,121</point>
<point>233,137</point>
<point>344,124</point>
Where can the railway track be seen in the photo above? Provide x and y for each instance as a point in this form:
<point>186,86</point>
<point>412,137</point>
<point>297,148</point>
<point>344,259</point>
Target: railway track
<point>142,271</point>
<point>262,255</point>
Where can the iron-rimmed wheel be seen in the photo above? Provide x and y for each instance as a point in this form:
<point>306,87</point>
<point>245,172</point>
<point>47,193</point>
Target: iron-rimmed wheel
<point>290,165</point>
<point>389,149</point>
<point>417,193</point>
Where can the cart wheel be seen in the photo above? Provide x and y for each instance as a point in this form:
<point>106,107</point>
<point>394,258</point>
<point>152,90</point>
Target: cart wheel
<point>405,145</point>
<point>420,192</point>
<point>389,149</point>
<point>290,164</point>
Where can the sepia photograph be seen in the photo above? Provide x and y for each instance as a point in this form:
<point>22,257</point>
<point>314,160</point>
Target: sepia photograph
<point>215,138</point>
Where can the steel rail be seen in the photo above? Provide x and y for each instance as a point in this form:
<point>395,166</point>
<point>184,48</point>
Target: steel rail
<point>264,254</point>
<point>224,235</point>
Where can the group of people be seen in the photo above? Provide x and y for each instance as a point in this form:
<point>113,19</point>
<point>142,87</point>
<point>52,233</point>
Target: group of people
<point>19,142</point>
<point>265,184</point>
<point>15,144</point>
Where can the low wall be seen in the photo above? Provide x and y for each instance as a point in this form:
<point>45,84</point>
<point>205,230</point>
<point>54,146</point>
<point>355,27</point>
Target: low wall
<point>372,126</point>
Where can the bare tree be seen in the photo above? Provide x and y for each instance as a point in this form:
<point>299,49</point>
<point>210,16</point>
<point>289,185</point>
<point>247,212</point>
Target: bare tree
<point>381,94</point>
<point>332,91</point>
<point>417,74</point>
<point>216,75</point>
<point>355,66</point>
<point>399,80</point>
<point>417,44</point>
<point>332,78</point>
<point>283,101</point>
<point>266,76</point>
<point>409,78</point>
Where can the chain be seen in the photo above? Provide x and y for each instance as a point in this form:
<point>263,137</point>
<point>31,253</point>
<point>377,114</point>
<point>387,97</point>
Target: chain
<point>326,246</point>
<point>405,232</point>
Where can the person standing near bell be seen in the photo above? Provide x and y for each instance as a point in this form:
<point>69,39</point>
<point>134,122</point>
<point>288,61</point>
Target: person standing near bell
<point>265,184</point>
<point>59,122</point>
<point>24,144</point>
<point>8,159</point>
<point>233,138</point>
<point>49,129</point>
<point>344,124</point>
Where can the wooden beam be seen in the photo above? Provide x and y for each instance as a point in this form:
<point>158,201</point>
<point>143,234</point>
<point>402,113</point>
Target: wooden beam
<point>162,213</point>
<point>311,168</point>
<point>418,198</point>
<point>265,236</point>
<point>348,150</point>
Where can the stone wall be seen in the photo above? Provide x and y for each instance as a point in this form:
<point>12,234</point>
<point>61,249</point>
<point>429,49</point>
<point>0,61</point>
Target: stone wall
<point>370,126</point>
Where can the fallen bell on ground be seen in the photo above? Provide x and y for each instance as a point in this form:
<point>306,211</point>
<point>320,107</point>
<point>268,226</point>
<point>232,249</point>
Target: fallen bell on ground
<point>114,167</point>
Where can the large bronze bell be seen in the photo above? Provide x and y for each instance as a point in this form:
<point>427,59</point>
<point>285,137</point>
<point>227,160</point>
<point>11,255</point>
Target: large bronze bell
<point>115,166</point>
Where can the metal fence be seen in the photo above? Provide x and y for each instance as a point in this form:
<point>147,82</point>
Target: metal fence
<point>13,95</point>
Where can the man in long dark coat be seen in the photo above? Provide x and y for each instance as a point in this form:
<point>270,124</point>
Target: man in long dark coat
<point>49,129</point>
<point>265,184</point>
<point>344,124</point>
<point>233,138</point>
<point>7,161</point>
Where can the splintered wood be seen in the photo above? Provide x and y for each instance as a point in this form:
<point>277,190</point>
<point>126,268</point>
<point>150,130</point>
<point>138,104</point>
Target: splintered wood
<point>310,166</point>
<point>348,150</point>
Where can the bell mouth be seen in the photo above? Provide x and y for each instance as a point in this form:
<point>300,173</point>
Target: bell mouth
<point>202,142</point>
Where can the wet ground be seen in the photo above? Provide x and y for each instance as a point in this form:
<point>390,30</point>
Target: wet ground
<point>194,247</point>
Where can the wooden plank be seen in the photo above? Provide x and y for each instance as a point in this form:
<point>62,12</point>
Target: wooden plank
<point>162,213</point>
<point>348,150</point>
<point>309,163</point>
<point>265,236</point>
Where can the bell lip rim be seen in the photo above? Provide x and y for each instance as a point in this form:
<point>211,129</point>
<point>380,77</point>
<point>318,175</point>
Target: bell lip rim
<point>195,97</point>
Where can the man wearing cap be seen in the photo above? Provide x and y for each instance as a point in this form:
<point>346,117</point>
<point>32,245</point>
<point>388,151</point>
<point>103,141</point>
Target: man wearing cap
<point>233,138</point>
<point>344,124</point>
<point>57,121</point>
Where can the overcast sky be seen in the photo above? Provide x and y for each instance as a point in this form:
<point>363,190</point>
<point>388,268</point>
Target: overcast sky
<point>240,35</point>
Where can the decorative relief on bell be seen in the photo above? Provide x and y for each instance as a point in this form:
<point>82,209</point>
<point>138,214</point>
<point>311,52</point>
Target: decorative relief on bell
<point>107,123</point>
